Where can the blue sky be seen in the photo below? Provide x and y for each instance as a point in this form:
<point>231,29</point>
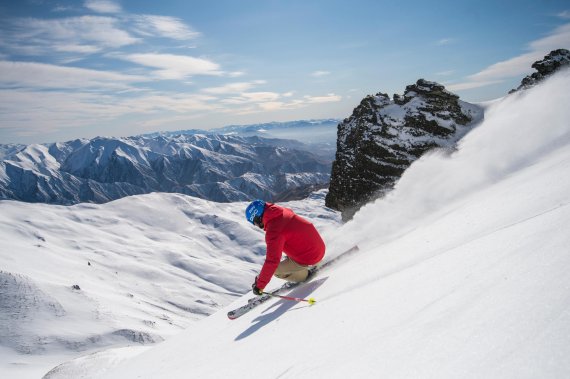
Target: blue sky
<point>72,69</point>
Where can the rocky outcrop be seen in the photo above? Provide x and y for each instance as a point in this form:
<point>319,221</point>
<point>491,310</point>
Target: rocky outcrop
<point>384,136</point>
<point>551,63</point>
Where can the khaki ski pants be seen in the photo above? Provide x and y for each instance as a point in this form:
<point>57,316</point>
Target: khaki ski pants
<point>291,271</point>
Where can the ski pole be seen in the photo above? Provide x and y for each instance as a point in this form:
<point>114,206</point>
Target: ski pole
<point>309,300</point>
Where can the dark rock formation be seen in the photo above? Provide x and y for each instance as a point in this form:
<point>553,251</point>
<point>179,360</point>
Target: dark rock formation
<point>383,137</point>
<point>551,63</point>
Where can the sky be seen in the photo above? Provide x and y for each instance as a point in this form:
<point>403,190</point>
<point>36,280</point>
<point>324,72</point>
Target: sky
<point>80,69</point>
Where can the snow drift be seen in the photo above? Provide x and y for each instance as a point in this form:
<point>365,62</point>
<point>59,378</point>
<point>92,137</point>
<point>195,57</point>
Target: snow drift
<point>462,272</point>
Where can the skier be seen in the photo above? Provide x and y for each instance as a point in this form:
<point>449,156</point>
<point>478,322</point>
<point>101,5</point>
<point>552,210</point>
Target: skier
<point>289,233</point>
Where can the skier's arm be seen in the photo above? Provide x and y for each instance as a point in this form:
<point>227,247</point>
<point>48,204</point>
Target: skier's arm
<point>275,245</point>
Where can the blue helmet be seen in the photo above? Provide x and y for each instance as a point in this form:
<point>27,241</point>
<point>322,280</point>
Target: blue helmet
<point>254,209</point>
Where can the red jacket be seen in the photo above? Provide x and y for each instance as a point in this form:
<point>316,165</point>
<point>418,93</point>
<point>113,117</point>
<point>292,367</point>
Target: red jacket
<point>286,232</point>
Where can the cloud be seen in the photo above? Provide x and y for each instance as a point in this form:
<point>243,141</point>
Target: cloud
<point>103,6</point>
<point>320,73</point>
<point>174,66</point>
<point>272,105</point>
<point>329,98</point>
<point>72,48</point>
<point>42,75</point>
<point>564,15</point>
<point>252,97</point>
<point>471,85</point>
<point>445,73</point>
<point>179,103</point>
<point>446,41</point>
<point>271,101</point>
<point>233,88</point>
<point>164,26</point>
<point>519,65</point>
<point>86,34</point>
<point>260,96</point>
<point>57,110</point>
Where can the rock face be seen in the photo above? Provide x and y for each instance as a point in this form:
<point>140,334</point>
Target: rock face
<point>212,167</point>
<point>383,137</point>
<point>551,63</point>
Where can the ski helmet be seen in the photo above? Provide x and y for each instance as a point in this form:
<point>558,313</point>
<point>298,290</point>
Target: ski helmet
<point>254,209</point>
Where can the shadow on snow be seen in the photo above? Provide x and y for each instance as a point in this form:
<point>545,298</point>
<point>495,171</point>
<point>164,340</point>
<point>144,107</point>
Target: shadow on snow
<point>282,307</point>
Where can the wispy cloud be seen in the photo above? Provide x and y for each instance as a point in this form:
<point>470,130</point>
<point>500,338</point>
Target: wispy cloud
<point>270,101</point>
<point>252,97</point>
<point>564,15</point>
<point>164,26</point>
<point>235,74</point>
<point>471,85</point>
<point>41,75</point>
<point>445,41</point>
<point>519,65</point>
<point>320,73</point>
<point>329,98</point>
<point>58,110</point>
<point>103,6</point>
<point>172,66</point>
<point>445,73</point>
<point>57,91</point>
<point>88,34</point>
<point>233,88</point>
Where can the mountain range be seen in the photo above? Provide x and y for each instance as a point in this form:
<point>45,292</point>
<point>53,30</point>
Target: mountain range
<point>216,167</point>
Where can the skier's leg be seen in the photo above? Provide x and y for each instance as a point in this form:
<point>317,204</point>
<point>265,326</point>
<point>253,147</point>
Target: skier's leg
<point>291,271</point>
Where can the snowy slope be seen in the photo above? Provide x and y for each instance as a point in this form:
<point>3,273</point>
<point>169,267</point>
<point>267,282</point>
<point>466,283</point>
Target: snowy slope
<point>462,273</point>
<point>146,266</point>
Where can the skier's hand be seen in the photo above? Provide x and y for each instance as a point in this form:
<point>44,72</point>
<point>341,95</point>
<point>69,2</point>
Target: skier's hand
<point>256,290</point>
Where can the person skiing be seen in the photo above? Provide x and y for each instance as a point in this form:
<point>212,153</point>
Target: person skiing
<point>289,233</point>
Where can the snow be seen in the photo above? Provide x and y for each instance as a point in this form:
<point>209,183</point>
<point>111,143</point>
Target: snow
<point>146,266</point>
<point>461,272</point>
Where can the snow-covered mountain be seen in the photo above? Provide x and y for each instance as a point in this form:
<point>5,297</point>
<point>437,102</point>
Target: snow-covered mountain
<point>214,167</point>
<point>309,131</point>
<point>552,62</point>
<point>462,276</point>
<point>82,278</point>
<point>318,136</point>
<point>383,136</point>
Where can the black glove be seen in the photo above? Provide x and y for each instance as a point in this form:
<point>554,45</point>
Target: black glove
<point>256,290</point>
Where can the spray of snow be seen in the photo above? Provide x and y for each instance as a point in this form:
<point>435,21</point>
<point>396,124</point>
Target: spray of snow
<point>515,133</point>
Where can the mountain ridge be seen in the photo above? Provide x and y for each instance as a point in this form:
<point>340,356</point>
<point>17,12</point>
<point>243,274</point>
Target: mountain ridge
<point>215,167</point>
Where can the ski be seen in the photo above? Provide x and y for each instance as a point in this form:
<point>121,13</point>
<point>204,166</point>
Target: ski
<point>336,259</point>
<point>254,302</point>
